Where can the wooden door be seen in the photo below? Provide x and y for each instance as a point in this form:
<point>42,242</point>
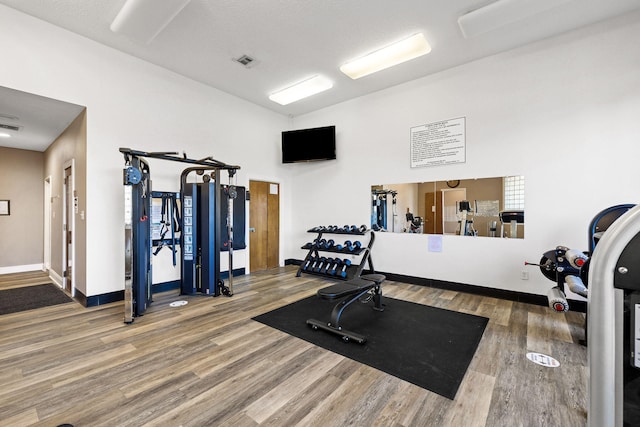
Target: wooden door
<point>429,225</point>
<point>264,225</point>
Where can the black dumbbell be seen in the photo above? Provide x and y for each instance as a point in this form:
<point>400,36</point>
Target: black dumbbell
<point>319,264</point>
<point>326,266</point>
<point>329,244</point>
<point>334,267</point>
<point>309,263</point>
<point>353,229</point>
<point>320,244</point>
<point>352,247</point>
<point>345,263</point>
<point>363,228</point>
<point>347,246</point>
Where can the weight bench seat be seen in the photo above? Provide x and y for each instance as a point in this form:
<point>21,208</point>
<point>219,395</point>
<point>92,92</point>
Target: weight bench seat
<point>349,292</point>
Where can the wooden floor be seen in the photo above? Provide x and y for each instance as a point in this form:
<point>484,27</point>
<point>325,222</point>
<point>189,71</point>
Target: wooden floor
<point>208,364</point>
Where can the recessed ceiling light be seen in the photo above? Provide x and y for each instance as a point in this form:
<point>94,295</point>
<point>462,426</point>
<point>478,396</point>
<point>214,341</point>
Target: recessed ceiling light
<point>145,19</point>
<point>501,13</point>
<point>4,135</point>
<point>301,90</point>
<point>8,116</point>
<point>386,57</point>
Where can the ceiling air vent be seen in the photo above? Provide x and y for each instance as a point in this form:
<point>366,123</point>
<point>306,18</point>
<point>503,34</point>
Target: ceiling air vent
<point>9,127</point>
<point>245,60</point>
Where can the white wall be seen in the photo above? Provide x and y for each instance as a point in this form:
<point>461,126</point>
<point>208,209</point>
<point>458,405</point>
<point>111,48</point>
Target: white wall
<point>562,112</point>
<point>131,103</point>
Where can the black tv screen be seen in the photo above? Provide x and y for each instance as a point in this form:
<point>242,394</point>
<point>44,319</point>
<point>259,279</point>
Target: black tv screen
<point>306,145</point>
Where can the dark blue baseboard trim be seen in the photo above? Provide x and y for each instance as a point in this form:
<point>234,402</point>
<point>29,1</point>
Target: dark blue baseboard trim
<point>109,297</point>
<point>574,305</point>
<point>95,300</point>
<point>165,286</point>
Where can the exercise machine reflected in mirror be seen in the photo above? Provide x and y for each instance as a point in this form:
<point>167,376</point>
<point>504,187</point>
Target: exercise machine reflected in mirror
<point>484,207</point>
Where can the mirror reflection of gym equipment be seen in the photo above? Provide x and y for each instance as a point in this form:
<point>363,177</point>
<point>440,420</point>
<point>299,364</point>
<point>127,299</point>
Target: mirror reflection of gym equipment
<point>200,225</point>
<point>383,209</point>
<point>495,207</point>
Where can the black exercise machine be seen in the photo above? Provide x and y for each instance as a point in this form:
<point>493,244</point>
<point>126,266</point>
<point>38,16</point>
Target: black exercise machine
<point>200,229</point>
<point>364,289</point>
<point>563,265</point>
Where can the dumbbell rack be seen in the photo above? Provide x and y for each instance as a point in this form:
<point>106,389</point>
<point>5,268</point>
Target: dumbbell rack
<point>354,270</point>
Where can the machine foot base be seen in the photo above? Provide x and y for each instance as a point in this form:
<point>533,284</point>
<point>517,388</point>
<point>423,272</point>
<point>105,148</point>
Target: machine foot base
<point>346,335</point>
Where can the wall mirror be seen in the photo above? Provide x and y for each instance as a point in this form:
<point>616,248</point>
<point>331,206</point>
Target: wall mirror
<point>484,207</point>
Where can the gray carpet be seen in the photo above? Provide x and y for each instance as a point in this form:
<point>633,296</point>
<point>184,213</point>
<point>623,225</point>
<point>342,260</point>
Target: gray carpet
<point>31,297</point>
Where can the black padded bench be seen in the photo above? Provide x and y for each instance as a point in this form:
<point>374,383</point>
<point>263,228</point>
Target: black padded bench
<point>349,292</point>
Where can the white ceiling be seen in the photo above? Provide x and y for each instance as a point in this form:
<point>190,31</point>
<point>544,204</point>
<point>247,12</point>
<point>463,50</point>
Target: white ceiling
<point>292,40</point>
<point>40,120</point>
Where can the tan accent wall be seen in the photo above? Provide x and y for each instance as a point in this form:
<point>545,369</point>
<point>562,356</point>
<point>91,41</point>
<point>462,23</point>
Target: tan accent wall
<point>71,145</point>
<point>22,183</point>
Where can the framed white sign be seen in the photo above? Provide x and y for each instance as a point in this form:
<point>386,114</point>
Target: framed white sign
<point>439,143</point>
<point>5,207</point>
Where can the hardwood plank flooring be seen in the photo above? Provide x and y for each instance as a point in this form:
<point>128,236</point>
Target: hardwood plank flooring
<point>208,364</point>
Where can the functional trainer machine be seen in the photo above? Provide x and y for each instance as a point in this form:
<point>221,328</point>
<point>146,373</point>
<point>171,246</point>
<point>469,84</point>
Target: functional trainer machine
<point>379,209</point>
<point>200,228</point>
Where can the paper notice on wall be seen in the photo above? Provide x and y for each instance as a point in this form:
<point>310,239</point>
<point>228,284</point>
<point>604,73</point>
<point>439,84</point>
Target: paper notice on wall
<point>487,207</point>
<point>435,243</point>
<point>156,218</point>
<point>439,143</point>
<point>273,188</point>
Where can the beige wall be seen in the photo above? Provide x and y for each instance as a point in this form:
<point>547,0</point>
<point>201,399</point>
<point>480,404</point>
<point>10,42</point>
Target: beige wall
<point>483,189</point>
<point>21,182</point>
<point>70,146</point>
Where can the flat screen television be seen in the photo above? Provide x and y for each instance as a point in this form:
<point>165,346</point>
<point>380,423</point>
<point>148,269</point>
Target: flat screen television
<point>307,145</point>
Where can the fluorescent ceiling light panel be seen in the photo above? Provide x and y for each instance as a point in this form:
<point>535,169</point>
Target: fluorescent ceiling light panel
<point>501,13</point>
<point>144,19</point>
<point>4,135</point>
<point>301,90</point>
<point>386,57</point>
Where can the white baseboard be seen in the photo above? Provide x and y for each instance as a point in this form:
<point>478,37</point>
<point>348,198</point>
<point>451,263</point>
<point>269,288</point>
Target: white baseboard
<point>55,277</point>
<point>21,268</point>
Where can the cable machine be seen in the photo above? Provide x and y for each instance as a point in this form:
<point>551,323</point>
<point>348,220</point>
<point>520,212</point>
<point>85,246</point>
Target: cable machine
<point>379,209</point>
<point>200,228</point>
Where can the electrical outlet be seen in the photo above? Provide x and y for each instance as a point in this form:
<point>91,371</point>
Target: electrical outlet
<point>524,275</point>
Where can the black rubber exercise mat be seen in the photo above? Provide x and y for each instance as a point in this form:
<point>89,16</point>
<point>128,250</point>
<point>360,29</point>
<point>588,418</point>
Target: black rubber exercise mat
<point>427,346</point>
<point>29,297</point>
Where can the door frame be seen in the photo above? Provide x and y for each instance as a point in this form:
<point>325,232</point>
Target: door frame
<point>47,224</point>
<point>69,164</point>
